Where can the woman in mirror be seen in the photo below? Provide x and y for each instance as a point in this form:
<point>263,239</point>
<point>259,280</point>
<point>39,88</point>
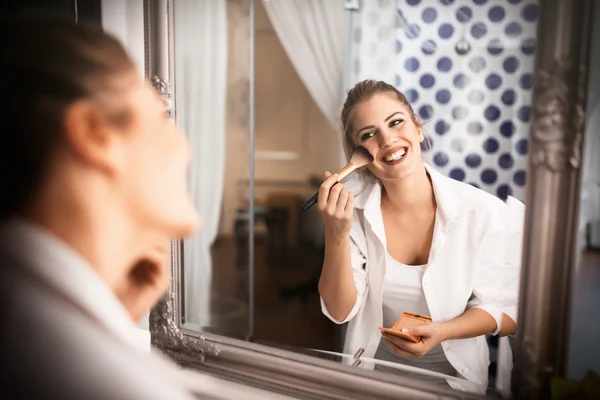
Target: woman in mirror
<point>93,177</point>
<point>413,241</point>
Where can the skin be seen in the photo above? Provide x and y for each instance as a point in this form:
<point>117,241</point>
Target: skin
<point>117,193</point>
<point>383,125</point>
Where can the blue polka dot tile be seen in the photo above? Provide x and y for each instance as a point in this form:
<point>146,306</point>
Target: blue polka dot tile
<point>492,113</point>
<point>503,191</point>
<point>425,112</point>
<point>524,113</point>
<point>489,176</point>
<point>458,174</point>
<point>427,81</point>
<point>464,14</point>
<point>398,46</point>
<point>441,159</point>
<point>479,2</point>
<point>519,178</point>
<point>473,160</point>
<point>507,129</point>
<point>411,64</point>
<point>442,127</point>
<point>526,81</point>
<point>528,46</point>
<point>413,2</point>
<point>411,95</point>
<point>429,15</point>
<point>530,12</point>
<point>445,31</point>
<point>444,64</point>
<point>509,97</point>
<point>478,30</point>
<point>513,30</point>
<point>428,47</point>
<point>413,31</point>
<point>443,96</point>
<point>510,64</point>
<point>495,47</point>
<point>496,14</point>
<point>461,81</point>
<point>506,161</point>
<point>491,145</point>
<point>493,81</point>
<point>522,147</point>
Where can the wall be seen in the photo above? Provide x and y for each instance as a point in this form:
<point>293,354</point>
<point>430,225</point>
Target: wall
<point>475,106</point>
<point>590,188</point>
<point>293,140</point>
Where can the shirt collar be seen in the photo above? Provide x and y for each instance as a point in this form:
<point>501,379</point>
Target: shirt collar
<point>68,272</point>
<point>449,204</point>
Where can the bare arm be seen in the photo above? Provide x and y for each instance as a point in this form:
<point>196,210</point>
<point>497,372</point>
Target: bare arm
<point>336,285</point>
<point>476,322</point>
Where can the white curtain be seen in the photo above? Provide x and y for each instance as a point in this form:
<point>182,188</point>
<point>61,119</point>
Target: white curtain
<point>200,87</point>
<point>125,20</point>
<point>314,36</point>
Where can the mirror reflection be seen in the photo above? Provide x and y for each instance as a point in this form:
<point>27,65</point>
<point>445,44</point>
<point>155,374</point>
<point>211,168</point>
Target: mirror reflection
<point>584,358</point>
<point>423,243</point>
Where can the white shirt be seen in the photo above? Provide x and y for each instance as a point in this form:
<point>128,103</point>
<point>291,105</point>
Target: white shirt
<point>75,277</point>
<point>468,267</point>
<point>70,336</point>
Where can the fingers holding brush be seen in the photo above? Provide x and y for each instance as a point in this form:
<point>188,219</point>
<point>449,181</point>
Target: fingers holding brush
<point>333,205</point>
<point>324,191</point>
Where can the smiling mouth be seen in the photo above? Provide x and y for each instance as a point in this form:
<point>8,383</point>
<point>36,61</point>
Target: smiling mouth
<point>394,156</point>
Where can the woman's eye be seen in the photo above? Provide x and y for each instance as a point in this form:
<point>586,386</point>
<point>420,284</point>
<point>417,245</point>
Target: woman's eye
<point>396,122</point>
<point>367,136</point>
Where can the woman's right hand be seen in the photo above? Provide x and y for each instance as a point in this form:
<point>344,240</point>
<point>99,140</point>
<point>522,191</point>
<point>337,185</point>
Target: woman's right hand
<point>336,205</point>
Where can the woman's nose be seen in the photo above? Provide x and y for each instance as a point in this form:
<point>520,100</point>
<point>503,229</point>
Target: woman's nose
<point>386,138</point>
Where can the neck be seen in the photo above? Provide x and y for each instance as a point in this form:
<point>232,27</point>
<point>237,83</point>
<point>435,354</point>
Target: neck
<point>77,207</point>
<point>410,193</point>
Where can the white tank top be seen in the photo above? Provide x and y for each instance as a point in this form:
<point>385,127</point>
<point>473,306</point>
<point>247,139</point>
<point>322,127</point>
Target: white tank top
<point>403,292</point>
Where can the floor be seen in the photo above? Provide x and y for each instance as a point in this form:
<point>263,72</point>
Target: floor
<point>584,349</point>
<point>287,310</point>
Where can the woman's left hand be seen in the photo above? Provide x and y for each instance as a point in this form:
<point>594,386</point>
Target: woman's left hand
<point>431,335</point>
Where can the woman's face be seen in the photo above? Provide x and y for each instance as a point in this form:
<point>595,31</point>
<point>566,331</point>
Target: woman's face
<point>383,125</point>
<point>153,172</point>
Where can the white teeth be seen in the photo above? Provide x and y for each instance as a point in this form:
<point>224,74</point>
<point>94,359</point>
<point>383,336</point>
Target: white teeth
<point>395,156</point>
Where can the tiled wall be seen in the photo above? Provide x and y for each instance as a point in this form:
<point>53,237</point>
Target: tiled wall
<point>475,106</point>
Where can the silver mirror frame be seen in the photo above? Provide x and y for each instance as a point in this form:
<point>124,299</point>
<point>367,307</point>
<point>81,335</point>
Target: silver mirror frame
<point>549,251</point>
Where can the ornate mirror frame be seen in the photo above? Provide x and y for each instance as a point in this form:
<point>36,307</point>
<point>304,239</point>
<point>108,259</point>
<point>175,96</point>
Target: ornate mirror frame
<point>549,252</point>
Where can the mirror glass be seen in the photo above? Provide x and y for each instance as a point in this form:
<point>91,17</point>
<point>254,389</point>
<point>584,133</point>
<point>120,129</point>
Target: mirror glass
<point>465,67</point>
<point>212,105</point>
<point>584,358</point>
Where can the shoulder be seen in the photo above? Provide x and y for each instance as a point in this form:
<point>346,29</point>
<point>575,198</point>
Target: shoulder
<point>475,206</point>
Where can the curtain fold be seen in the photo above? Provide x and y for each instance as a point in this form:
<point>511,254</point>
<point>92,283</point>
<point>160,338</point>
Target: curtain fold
<point>314,36</point>
<point>200,88</point>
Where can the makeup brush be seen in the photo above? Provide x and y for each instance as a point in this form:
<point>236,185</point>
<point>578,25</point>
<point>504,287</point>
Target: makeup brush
<point>360,158</point>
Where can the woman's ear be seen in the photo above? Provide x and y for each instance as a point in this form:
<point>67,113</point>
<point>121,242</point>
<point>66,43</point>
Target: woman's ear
<point>89,134</point>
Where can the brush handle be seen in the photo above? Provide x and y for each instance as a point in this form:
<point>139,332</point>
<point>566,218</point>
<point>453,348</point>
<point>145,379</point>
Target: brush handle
<point>313,200</point>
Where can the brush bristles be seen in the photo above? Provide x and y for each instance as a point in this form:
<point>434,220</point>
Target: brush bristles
<point>361,157</point>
